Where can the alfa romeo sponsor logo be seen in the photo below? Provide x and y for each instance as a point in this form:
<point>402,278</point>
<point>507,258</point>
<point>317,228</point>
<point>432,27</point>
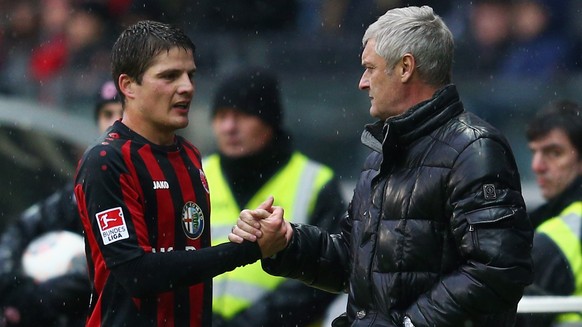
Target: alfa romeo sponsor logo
<point>192,220</point>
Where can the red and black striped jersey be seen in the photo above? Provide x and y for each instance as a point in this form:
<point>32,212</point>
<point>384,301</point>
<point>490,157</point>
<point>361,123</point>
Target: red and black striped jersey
<point>145,209</point>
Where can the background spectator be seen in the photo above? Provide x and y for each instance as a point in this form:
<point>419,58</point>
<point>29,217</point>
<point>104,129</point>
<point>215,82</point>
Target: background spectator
<point>482,49</point>
<point>256,156</point>
<point>19,34</point>
<point>542,43</point>
<point>555,141</point>
<point>60,301</point>
<point>238,33</point>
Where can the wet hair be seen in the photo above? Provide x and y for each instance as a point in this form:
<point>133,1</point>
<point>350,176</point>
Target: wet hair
<point>564,115</point>
<point>140,43</point>
<point>420,32</point>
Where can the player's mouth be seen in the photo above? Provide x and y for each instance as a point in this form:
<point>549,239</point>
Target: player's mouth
<point>182,105</point>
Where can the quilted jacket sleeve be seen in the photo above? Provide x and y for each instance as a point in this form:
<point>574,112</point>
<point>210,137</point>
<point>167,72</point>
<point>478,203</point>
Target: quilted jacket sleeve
<point>315,257</point>
<point>492,233</point>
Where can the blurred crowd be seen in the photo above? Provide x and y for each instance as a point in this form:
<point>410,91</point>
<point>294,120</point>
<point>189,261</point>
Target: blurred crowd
<point>519,38</point>
<point>57,51</point>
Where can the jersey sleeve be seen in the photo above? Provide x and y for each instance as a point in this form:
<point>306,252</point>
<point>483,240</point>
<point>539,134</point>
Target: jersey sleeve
<point>110,205</point>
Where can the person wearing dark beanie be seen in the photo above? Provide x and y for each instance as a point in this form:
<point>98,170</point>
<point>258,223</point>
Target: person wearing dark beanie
<point>254,91</point>
<point>255,158</point>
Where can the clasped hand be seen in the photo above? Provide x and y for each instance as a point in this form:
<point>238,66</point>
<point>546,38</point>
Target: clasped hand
<point>264,225</point>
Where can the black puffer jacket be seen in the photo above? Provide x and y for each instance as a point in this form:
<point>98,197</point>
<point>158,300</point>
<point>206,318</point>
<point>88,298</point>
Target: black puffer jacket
<point>436,230</point>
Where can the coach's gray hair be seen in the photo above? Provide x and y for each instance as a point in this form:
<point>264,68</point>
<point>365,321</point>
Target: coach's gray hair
<point>420,32</point>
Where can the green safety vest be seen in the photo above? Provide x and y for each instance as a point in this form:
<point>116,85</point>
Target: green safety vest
<point>295,187</point>
<point>564,230</point>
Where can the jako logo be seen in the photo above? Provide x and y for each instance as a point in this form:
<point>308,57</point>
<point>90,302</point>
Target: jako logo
<point>161,185</point>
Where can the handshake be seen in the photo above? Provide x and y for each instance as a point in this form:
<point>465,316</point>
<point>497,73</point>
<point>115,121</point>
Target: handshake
<point>264,225</point>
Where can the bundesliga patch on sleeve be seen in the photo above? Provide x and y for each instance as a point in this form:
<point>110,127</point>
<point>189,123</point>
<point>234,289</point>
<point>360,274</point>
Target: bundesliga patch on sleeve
<point>112,225</point>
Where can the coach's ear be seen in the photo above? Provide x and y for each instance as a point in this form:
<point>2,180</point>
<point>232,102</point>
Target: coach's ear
<point>407,67</point>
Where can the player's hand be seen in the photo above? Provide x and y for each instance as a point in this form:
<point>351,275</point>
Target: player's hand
<point>266,225</point>
<point>276,233</point>
<point>248,226</point>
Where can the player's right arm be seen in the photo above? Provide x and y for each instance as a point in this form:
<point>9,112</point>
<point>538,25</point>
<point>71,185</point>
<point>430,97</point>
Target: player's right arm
<point>105,184</point>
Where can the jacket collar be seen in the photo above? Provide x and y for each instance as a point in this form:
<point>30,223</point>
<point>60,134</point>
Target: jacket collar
<point>554,206</point>
<point>418,121</point>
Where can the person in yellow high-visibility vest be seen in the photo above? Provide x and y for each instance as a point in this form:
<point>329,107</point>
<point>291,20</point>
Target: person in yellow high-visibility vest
<point>247,121</point>
<point>555,140</point>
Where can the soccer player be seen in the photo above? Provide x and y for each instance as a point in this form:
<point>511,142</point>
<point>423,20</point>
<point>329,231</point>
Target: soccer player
<point>143,196</point>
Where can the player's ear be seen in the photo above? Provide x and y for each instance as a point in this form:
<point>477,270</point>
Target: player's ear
<point>126,86</point>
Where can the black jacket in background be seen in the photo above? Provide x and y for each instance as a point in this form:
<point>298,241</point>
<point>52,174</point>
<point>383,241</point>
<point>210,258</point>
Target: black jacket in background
<point>61,301</point>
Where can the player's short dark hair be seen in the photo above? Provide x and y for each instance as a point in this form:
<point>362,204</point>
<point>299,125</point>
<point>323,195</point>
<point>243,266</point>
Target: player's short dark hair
<point>135,48</point>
